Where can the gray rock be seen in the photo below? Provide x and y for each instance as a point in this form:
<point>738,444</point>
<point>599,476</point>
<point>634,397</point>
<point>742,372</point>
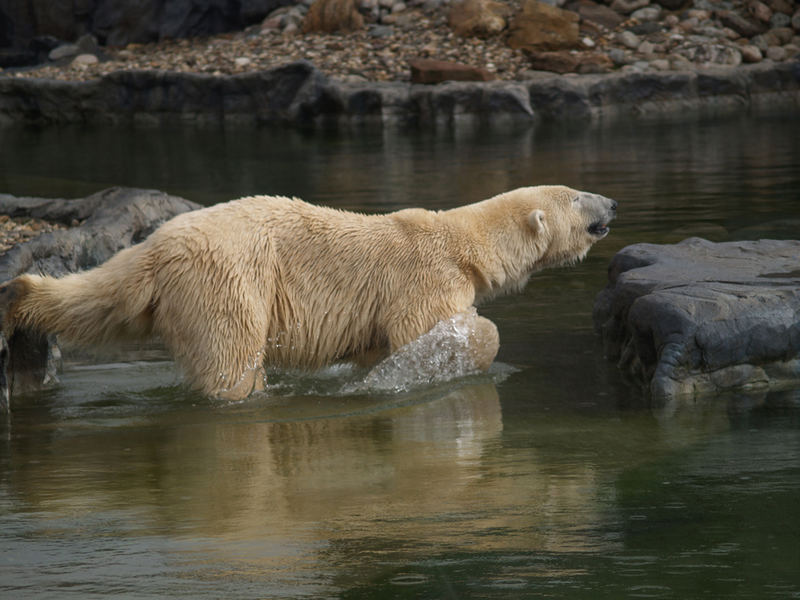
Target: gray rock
<point>111,220</point>
<point>84,59</point>
<point>629,39</point>
<point>648,13</point>
<point>628,6</point>
<point>697,317</point>
<point>64,51</point>
<point>776,53</point>
<point>780,20</point>
<point>380,31</point>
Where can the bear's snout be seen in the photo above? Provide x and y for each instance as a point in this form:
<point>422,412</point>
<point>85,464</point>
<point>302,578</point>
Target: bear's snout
<point>600,211</point>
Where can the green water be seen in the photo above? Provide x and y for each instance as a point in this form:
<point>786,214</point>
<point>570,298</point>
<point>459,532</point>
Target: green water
<point>548,478</point>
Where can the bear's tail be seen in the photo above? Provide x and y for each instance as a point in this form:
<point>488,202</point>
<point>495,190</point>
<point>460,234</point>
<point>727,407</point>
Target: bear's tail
<point>112,302</point>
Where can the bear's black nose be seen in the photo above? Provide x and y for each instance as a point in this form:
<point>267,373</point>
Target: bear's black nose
<point>614,205</point>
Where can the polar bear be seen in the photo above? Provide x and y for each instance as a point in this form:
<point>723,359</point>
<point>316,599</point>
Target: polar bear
<point>277,281</point>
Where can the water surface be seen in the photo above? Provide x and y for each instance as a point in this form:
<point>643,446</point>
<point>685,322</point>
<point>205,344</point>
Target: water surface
<point>549,477</point>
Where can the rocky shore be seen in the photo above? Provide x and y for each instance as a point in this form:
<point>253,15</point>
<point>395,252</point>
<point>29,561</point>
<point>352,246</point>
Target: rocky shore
<point>375,59</point>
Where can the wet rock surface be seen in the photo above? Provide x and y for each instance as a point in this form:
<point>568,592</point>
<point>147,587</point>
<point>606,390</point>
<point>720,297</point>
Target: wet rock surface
<point>83,233</point>
<point>698,318</point>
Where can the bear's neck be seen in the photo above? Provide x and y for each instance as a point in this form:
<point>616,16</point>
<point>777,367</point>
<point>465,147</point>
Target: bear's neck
<point>486,249</point>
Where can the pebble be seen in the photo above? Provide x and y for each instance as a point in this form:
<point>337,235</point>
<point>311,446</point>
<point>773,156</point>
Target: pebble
<point>776,53</point>
<point>750,53</point>
<point>648,13</point>
<point>63,51</point>
<point>629,40</point>
<point>85,60</point>
<point>399,30</point>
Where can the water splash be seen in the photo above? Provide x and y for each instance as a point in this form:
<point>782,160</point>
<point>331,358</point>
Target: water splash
<point>441,354</point>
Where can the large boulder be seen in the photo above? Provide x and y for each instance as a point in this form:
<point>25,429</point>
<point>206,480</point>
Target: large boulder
<point>108,221</point>
<point>120,22</point>
<point>698,317</point>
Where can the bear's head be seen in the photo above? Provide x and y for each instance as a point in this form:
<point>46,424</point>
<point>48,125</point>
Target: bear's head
<point>564,222</point>
<point>532,228</point>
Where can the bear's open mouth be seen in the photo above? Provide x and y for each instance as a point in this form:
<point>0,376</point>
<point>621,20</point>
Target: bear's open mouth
<point>599,228</point>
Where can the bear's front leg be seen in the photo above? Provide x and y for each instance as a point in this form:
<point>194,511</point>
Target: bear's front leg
<point>483,342</point>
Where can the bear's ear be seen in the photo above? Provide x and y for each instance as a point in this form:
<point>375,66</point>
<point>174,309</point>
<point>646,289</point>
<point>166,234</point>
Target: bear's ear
<point>536,220</point>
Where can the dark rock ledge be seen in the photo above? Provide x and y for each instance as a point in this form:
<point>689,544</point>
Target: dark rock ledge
<point>298,93</point>
<point>699,318</point>
<point>99,226</point>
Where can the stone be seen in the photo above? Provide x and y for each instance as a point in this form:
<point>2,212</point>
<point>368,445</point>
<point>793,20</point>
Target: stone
<point>629,39</point>
<point>780,20</point>
<point>776,53</point>
<point>379,31</point>
<point>661,64</point>
<point>539,26</point>
<point>478,17</point>
<point>699,318</point>
<point>646,28</point>
<point>563,62</point>
<point>750,53</point>
<point>430,71</point>
<point>646,48</point>
<point>648,13</point>
<point>594,62</point>
<point>554,62</point>
<point>679,63</point>
<point>84,59</point>
<point>796,21</point>
<point>64,51</point>
<point>741,25</point>
<point>781,35</point>
<point>242,61</point>
<point>626,7</point>
<point>760,42</point>
<point>618,56</point>
<point>759,11</point>
<point>596,13</point>
<point>328,16</point>
<point>272,23</point>
<point>781,6</point>
<point>87,44</point>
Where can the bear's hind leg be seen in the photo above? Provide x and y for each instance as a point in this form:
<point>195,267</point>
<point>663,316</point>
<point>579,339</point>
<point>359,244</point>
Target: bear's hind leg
<point>220,348</point>
<point>226,368</point>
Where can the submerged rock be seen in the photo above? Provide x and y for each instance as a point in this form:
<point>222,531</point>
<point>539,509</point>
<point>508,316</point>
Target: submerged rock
<point>698,318</point>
